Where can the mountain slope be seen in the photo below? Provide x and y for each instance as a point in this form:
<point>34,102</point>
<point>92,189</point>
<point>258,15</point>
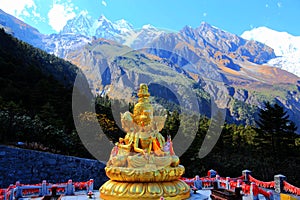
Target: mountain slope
<point>28,56</point>
<point>60,44</point>
<point>20,29</point>
<point>218,55</point>
<point>36,99</point>
<point>118,70</point>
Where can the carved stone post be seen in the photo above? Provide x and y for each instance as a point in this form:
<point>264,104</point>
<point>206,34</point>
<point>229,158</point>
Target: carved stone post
<point>217,182</point>
<point>227,183</point>
<point>90,186</point>
<point>246,174</point>
<point>70,188</point>
<point>44,190</point>
<point>278,179</point>
<point>18,190</point>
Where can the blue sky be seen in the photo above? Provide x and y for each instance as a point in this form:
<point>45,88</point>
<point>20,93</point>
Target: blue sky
<point>235,16</point>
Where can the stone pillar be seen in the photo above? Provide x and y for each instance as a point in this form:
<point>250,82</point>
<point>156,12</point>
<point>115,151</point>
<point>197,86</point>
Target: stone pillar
<point>18,190</point>
<point>217,182</point>
<point>90,186</point>
<point>246,174</point>
<point>227,183</point>
<point>44,190</point>
<point>278,179</point>
<point>70,188</point>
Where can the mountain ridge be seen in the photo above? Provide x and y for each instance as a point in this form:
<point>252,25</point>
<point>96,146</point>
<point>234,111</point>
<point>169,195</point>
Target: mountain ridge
<point>20,29</point>
<point>227,66</point>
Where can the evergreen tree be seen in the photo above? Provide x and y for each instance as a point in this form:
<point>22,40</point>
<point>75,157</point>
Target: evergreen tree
<point>274,123</point>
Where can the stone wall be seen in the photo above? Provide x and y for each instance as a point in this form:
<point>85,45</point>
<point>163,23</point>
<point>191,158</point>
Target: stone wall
<point>31,167</point>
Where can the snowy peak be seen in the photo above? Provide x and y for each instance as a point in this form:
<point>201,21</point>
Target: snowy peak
<point>148,27</point>
<point>286,47</point>
<point>282,42</point>
<point>119,26</point>
<point>103,21</point>
<point>104,28</point>
<point>120,30</point>
<point>123,25</point>
<point>80,24</point>
<point>103,18</point>
<point>84,24</point>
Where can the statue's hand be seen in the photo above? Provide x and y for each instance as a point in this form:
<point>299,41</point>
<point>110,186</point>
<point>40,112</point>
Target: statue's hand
<point>144,152</point>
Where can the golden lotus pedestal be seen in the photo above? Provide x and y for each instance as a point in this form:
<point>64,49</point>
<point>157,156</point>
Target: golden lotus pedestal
<point>144,183</point>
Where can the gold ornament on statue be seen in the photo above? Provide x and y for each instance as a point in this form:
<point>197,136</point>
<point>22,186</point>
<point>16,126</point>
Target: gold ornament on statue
<point>143,164</point>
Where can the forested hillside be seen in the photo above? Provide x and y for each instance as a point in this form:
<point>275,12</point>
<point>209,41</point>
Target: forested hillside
<point>35,97</point>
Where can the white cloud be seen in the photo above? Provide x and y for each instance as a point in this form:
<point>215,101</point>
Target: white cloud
<point>204,14</point>
<point>104,3</point>
<point>17,8</point>
<point>59,14</point>
<point>22,9</point>
<point>26,13</point>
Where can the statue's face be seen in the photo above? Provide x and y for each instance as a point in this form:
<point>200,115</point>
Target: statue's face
<point>144,88</point>
<point>126,121</point>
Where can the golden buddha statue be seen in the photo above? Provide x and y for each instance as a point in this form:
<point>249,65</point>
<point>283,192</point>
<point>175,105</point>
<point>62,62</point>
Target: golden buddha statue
<point>143,165</point>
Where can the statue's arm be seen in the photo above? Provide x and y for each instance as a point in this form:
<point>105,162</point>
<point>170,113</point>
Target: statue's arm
<point>161,140</point>
<point>136,146</point>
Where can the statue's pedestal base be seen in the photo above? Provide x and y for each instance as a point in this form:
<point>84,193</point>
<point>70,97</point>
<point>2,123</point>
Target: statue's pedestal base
<point>150,190</point>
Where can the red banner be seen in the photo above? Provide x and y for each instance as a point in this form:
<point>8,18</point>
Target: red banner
<point>259,183</point>
<point>290,188</point>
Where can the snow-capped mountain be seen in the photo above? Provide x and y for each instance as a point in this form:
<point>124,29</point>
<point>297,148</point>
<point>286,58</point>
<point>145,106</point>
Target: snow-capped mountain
<point>286,47</point>
<point>81,24</point>
<point>143,37</point>
<point>84,24</point>
<point>123,25</point>
<point>120,31</point>
<point>105,28</point>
